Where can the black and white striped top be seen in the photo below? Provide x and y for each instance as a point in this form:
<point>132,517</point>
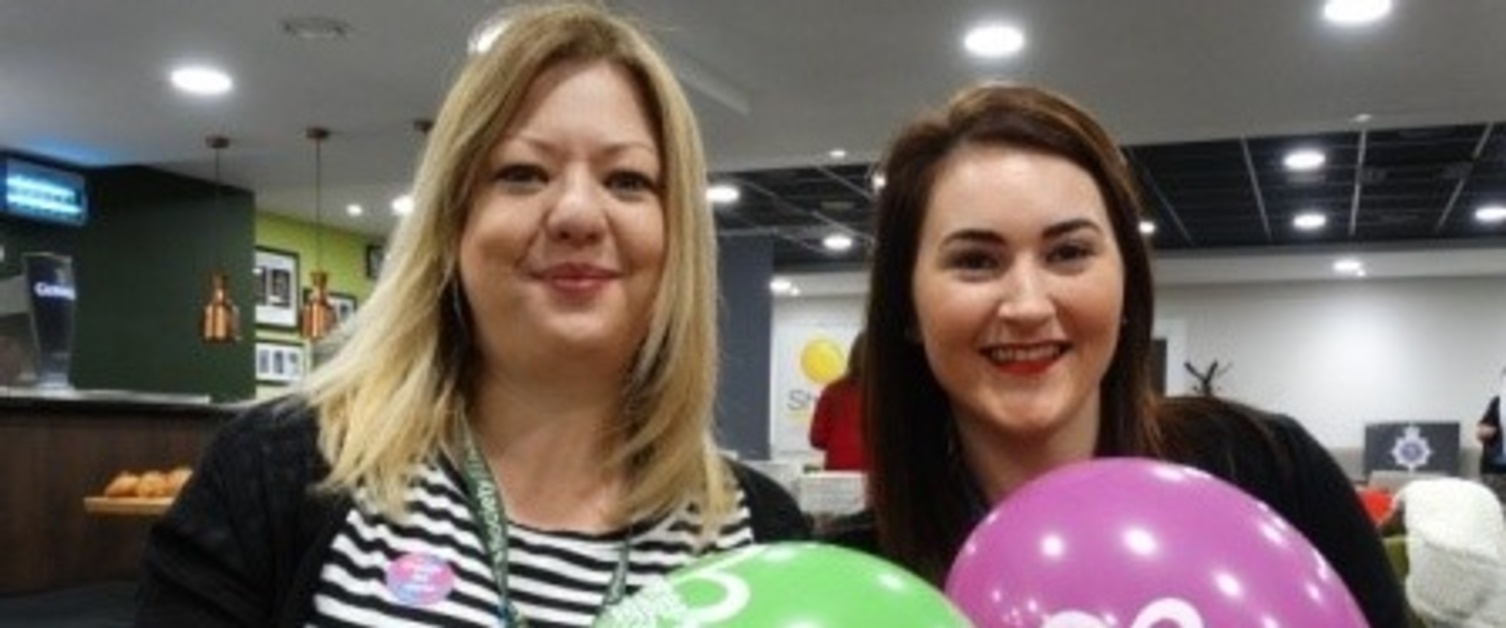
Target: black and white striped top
<point>431,569</point>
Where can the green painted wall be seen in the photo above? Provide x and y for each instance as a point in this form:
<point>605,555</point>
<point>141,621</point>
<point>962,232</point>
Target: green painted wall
<point>344,258</point>
<point>142,266</point>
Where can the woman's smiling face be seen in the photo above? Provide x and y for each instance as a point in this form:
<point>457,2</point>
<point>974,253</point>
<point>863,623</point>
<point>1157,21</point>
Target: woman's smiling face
<point>1019,291</point>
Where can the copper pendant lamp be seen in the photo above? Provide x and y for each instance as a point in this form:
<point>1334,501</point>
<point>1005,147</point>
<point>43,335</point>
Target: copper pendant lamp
<point>317,318</point>
<point>219,322</point>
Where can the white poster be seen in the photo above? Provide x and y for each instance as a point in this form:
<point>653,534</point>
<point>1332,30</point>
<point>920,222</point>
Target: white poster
<point>806,357</point>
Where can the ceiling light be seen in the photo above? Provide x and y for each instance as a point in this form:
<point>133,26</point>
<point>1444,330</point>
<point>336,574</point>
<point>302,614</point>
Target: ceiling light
<point>780,285</point>
<point>1304,159</point>
<point>837,154</point>
<point>1491,214</point>
<point>878,182</point>
<point>722,194</point>
<point>354,209</point>
<point>837,205</point>
<point>1362,118</point>
<point>994,41</point>
<point>1355,12</point>
<point>201,80</point>
<point>220,318</point>
<point>402,205</point>
<point>316,319</point>
<point>1349,266</point>
<point>837,242</point>
<point>1309,221</point>
<point>1147,227</point>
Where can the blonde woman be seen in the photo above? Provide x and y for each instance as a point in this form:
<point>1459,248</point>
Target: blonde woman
<point>516,429</point>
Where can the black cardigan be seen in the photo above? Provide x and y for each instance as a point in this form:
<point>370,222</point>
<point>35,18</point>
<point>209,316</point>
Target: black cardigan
<point>244,543</point>
<point>1277,461</point>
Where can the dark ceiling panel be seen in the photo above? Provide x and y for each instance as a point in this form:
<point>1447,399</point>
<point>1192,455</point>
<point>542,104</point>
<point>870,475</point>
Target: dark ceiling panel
<point>1378,186</point>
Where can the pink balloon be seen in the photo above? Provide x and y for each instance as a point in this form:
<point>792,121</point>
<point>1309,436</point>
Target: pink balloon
<point>1135,543</point>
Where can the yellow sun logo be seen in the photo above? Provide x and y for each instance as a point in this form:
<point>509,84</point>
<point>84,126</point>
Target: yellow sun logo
<point>822,361</point>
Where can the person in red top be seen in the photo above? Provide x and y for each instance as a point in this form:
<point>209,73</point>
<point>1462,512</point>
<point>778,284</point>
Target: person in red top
<point>836,428</point>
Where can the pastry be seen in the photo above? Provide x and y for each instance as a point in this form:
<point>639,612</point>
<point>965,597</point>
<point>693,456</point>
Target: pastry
<point>123,485</point>
<point>152,484</point>
<point>176,479</point>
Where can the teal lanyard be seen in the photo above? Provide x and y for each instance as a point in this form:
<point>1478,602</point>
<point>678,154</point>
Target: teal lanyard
<point>486,503</point>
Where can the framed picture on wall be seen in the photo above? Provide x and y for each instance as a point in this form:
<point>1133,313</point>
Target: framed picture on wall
<point>276,283</point>
<point>344,304</point>
<point>375,254</point>
<point>279,363</point>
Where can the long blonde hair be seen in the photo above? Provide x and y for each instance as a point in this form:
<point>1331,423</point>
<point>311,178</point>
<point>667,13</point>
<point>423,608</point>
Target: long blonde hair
<point>397,390</point>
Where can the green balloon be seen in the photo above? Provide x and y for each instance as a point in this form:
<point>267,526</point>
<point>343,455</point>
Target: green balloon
<point>786,585</point>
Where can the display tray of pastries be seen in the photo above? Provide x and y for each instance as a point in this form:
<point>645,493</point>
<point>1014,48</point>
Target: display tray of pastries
<point>145,493</point>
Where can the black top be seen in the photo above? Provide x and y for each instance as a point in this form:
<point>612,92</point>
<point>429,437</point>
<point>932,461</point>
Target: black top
<point>1492,458</point>
<point>1293,474</point>
<point>245,541</point>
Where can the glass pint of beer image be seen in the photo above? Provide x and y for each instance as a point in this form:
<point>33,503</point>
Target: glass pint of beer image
<point>36,322</point>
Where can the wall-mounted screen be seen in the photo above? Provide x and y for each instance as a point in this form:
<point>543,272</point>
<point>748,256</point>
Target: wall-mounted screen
<point>1413,447</point>
<point>37,192</point>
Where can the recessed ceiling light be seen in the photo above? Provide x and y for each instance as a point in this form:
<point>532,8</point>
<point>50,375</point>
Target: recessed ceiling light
<point>878,182</point>
<point>994,41</point>
<point>1349,266</point>
<point>1309,221</point>
<point>837,205</point>
<point>1355,12</point>
<point>1147,227</point>
<point>837,154</point>
<point>1304,159</point>
<point>1491,214</point>
<point>316,28</point>
<point>780,285</point>
<point>1362,118</point>
<point>722,194</point>
<point>402,205</point>
<point>201,80</point>
<point>837,242</point>
<point>354,209</point>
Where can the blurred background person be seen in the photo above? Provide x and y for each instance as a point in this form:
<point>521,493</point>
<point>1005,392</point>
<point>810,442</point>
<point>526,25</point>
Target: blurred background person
<point>1492,451</point>
<point>836,426</point>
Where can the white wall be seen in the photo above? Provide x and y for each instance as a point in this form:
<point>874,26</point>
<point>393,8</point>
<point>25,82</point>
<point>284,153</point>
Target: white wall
<point>1335,354</point>
<point>1339,354</point>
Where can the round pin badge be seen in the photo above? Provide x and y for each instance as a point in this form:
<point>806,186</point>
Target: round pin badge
<point>420,579</point>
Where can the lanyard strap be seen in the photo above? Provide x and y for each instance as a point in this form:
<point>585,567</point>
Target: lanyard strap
<point>486,503</point>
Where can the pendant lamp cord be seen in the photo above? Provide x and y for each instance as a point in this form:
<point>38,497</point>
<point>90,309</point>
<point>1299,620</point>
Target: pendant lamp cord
<point>218,144</point>
<point>318,135</point>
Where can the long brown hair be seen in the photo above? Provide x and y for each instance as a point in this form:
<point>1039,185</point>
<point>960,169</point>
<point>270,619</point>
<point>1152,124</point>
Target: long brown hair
<point>917,482</point>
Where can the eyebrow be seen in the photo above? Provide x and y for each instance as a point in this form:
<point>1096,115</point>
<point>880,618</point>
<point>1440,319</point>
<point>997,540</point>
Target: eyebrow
<point>1054,231</point>
<point>612,149</point>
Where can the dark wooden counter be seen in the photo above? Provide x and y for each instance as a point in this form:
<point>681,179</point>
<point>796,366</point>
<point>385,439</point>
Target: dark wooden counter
<point>56,449</point>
